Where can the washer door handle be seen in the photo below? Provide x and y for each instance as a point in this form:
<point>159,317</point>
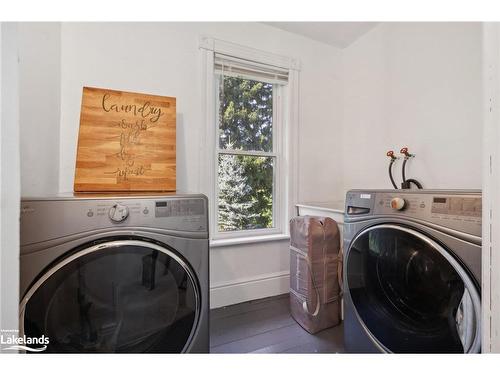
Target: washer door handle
<point>464,320</point>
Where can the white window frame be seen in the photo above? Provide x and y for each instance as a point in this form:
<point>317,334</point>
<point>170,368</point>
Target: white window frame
<point>278,171</point>
<point>285,116</point>
<point>490,282</point>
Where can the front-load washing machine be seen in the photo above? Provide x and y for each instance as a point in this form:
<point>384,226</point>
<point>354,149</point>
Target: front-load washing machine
<point>115,274</point>
<point>412,271</point>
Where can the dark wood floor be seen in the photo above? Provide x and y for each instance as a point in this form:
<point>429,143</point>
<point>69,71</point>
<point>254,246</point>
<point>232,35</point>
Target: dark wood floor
<point>265,326</point>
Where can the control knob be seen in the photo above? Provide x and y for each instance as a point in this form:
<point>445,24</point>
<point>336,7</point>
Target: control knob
<point>398,203</point>
<point>118,212</point>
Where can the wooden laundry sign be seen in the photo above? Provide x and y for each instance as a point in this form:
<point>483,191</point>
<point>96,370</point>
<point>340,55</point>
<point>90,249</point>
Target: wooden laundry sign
<point>126,142</point>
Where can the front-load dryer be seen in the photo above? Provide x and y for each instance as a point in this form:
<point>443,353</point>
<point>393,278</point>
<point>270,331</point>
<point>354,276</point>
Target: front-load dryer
<point>115,274</point>
<point>412,271</point>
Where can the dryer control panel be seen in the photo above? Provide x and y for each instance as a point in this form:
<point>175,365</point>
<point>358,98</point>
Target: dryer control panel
<point>178,208</point>
<point>46,219</point>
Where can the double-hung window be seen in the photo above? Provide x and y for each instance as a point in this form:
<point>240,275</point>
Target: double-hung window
<point>249,163</point>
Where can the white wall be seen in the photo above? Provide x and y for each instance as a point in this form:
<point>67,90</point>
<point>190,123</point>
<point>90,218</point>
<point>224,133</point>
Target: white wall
<point>39,107</point>
<point>164,59</point>
<point>9,177</point>
<point>415,85</point>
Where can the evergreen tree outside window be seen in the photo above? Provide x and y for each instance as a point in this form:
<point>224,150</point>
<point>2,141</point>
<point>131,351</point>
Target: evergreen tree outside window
<point>247,153</point>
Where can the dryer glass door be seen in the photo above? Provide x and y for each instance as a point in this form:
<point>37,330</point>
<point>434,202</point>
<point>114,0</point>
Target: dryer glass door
<point>125,296</point>
<point>410,294</point>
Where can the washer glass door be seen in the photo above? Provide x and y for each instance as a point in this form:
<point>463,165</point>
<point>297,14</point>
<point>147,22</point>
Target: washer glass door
<point>410,294</point>
<point>125,296</point>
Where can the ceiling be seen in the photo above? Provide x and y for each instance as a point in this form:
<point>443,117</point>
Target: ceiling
<point>337,34</point>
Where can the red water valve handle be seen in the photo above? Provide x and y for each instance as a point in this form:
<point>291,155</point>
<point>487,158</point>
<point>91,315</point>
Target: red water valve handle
<point>390,154</point>
<point>404,151</point>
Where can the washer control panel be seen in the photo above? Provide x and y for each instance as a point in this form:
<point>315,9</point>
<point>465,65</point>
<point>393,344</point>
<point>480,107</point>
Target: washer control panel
<point>456,206</point>
<point>462,212</point>
<point>433,206</point>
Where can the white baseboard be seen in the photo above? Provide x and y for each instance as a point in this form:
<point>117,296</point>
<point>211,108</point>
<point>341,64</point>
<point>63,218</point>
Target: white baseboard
<point>247,289</point>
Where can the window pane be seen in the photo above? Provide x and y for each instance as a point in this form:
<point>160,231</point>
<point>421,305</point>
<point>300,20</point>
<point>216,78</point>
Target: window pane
<point>245,192</point>
<point>245,114</point>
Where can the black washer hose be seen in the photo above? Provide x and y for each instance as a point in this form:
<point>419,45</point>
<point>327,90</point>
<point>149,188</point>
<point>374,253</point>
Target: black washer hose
<point>411,180</point>
<point>390,174</point>
<point>403,169</point>
<point>406,183</point>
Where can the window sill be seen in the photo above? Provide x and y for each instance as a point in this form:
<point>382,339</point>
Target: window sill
<point>247,240</point>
